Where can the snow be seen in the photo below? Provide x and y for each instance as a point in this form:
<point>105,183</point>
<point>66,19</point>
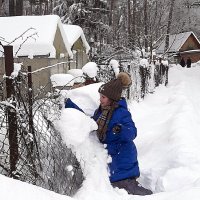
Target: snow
<point>144,63</point>
<point>115,66</point>
<point>165,62</point>
<point>70,120</point>
<point>73,33</point>
<point>62,80</point>
<point>168,143</point>
<point>78,74</point>
<point>90,69</point>
<point>17,68</point>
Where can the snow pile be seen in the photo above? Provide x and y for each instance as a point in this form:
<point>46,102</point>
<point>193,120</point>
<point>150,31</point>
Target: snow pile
<point>13,189</point>
<point>115,66</point>
<point>144,63</point>
<point>62,80</point>
<point>70,120</point>
<point>78,74</point>
<point>87,97</point>
<point>90,69</point>
<point>168,133</point>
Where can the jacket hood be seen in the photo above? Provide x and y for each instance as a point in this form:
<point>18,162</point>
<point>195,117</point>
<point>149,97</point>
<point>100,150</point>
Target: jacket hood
<point>122,102</point>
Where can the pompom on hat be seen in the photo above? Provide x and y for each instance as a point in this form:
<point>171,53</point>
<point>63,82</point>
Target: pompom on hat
<point>113,89</point>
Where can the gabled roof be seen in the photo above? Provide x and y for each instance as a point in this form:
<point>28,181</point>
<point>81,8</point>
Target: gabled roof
<point>176,41</point>
<point>41,44</point>
<point>73,33</point>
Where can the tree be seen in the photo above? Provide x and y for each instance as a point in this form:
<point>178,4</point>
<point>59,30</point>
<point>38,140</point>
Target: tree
<point>169,24</point>
<point>145,25</point>
<point>1,2</point>
<point>15,7</point>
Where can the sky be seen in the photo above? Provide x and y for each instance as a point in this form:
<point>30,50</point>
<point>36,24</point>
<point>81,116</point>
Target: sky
<point>168,143</point>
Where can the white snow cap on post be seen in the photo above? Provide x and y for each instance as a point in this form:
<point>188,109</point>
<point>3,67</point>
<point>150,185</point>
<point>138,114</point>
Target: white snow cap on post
<point>144,63</point>
<point>165,62</point>
<point>90,69</point>
<point>78,75</point>
<point>62,80</point>
<point>17,68</point>
<point>115,66</point>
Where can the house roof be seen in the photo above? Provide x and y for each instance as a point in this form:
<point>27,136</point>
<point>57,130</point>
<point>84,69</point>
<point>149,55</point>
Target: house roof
<point>73,33</point>
<point>39,33</point>
<point>176,41</point>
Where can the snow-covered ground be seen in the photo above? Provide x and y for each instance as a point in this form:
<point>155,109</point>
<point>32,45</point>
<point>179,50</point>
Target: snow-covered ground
<point>168,143</point>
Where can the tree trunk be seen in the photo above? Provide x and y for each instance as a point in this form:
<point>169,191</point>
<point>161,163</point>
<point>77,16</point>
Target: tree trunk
<point>19,7</point>
<point>169,24</point>
<point>111,12</point>
<point>129,21</point>
<point>134,23</point>
<point>112,20</point>
<point>145,26</point>
<point>1,8</point>
<point>15,7</point>
<point>11,8</point>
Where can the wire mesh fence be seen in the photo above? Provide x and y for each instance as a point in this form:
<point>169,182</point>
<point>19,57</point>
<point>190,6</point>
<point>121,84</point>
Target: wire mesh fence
<point>31,149</point>
<point>144,79</point>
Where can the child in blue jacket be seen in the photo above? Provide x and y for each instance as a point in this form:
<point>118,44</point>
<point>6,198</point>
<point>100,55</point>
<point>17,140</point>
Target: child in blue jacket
<point>117,130</point>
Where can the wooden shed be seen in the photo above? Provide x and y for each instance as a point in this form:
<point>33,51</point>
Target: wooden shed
<point>42,41</point>
<point>182,45</point>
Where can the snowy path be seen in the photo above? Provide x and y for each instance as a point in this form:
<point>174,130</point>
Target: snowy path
<point>168,140</point>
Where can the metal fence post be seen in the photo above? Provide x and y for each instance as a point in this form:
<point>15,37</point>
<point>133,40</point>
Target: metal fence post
<point>30,100</point>
<point>12,118</point>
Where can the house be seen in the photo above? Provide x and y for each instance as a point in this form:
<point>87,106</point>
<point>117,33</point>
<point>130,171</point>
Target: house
<point>182,45</point>
<point>77,43</point>
<point>41,42</point>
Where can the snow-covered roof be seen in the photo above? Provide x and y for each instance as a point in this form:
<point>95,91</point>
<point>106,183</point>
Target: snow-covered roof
<point>38,44</point>
<point>73,33</point>
<point>176,41</point>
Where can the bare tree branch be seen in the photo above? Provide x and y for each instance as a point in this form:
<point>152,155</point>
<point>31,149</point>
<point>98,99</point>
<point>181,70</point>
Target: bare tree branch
<point>21,36</point>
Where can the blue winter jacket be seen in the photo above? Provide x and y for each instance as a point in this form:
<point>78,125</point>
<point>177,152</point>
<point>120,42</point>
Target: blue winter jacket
<point>120,145</point>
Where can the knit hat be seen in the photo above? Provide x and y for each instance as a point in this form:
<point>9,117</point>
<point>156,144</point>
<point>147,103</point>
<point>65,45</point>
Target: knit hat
<point>113,89</point>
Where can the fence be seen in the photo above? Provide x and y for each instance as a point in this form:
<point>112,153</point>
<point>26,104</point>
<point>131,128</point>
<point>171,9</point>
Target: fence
<point>31,149</point>
<point>144,79</point>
